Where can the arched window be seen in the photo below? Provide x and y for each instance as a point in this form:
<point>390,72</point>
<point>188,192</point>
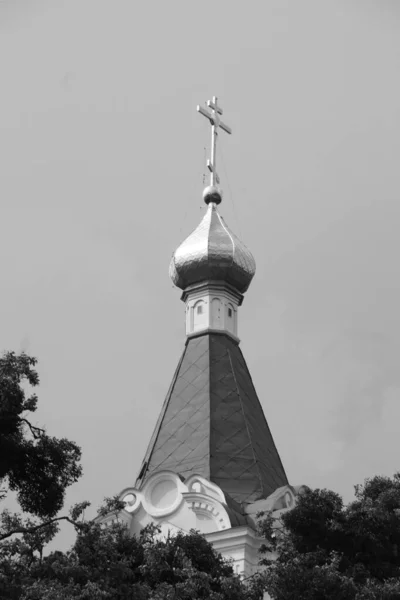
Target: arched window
<point>230,318</point>
<point>199,316</point>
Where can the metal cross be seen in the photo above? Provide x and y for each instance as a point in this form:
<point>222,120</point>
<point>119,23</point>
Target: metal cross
<point>214,117</point>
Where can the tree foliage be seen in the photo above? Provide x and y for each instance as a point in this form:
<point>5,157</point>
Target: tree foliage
<point>110,564</point>
<point>33,464</point>
<point>328,550</point>
<point>37,467</point>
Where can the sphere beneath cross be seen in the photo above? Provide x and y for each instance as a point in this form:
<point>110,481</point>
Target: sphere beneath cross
<point>212,194</point>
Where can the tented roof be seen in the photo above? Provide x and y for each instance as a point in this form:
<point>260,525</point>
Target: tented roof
<point>212,424</point>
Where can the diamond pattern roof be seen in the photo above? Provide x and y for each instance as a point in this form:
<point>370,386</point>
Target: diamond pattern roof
<point>212,424</point>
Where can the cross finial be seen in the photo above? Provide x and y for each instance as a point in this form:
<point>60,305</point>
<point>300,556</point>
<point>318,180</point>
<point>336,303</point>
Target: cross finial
<point>213,116</point>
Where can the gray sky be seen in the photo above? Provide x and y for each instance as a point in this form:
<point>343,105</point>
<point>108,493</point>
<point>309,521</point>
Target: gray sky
<point>102,161</point>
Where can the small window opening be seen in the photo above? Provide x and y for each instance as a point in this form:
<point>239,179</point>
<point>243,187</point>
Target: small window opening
<point>199,310</point>
<point>229,312</point>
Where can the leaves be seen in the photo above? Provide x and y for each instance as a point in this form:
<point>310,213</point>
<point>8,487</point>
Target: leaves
<point>33,464</point>
<point>111,505</point>
<point>78,510</point>
<point>110,564</point>
<point>332,551</point>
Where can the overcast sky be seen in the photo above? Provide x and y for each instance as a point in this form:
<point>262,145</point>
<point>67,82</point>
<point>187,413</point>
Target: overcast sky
<point>101,174</point>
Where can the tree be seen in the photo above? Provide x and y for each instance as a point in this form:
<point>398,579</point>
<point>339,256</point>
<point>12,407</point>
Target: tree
<point>110,564</point>
<point>37,467</point>
<point>327,550</point>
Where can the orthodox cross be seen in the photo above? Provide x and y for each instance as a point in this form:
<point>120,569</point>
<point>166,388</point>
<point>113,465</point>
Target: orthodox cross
<point>213,116</point>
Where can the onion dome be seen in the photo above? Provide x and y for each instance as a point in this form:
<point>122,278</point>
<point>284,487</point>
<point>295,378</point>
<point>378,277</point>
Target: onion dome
<point>212,253</point>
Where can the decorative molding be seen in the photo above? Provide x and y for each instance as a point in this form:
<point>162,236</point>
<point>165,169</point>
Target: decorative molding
<point>205,487</point>
<point>204,505</point>
<point>210,330</point>
<point>160,496</point>
<point>199,289</point>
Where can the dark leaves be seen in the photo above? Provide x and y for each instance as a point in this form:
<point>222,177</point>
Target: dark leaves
<point>36,466</point>
<point>110,563</point>
<point>332,551</point>
<point>42,471</point>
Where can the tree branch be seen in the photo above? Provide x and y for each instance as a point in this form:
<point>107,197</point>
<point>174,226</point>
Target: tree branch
<point>34,528</point>
<point>36,431</point>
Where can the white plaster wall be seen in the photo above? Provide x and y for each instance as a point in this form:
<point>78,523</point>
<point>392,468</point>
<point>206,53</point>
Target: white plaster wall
<point>217,316</point>
<point>211,309</point>
<point>200,316</point>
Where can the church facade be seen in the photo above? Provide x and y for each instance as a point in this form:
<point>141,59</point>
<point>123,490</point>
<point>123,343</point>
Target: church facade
<point>211,463</point>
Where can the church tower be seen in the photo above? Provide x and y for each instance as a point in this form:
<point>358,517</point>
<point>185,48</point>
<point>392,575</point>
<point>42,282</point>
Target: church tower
<point>212,422</point>
<point>211,463</point>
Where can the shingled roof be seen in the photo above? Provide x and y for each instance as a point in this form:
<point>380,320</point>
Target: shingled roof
<point>212,424</point>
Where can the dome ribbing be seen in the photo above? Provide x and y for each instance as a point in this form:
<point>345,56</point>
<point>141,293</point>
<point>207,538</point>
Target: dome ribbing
<point>212,253</point>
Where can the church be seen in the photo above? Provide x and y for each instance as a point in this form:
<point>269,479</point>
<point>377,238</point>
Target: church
<point>211,463</point>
